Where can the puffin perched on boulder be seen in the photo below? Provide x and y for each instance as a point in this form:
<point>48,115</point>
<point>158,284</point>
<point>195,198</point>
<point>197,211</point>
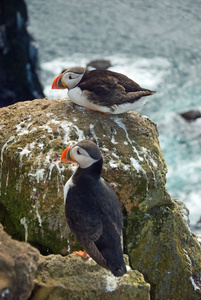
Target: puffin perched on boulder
<point>92,209</point>
<point>102,90</point>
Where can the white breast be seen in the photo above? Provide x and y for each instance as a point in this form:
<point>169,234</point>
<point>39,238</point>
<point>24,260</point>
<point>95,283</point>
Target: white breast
<point>77,96</point>
<point>67,186</point>
<point>122,108</point>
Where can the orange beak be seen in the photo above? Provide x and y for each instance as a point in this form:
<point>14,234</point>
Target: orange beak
<point>58,84</point>
<point>66,156</point>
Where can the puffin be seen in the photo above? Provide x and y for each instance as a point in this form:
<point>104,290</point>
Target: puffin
<point>102,90</point>
<point>99,64</point>
<point>92,209</point>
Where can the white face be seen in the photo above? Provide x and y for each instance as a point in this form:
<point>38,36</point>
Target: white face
<point>71,79</point>
<point>82,157</point>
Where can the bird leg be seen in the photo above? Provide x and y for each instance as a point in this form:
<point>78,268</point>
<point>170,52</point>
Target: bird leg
<point>83,254</point>
<point>106,113</point>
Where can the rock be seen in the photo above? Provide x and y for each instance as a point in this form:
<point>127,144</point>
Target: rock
<point>191,115</point>
<point>18,55</point>
<point>198,224</point>
<point>18,264</point>
<point>99,64</point>
<point>174,262</point>
<point>33,178</point>
<point>156,237</point>
<point>58,277</point>
<point>72,277</point>
<point>184,211</point>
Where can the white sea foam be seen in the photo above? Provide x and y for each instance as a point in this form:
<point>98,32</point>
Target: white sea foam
<point>145,71</point>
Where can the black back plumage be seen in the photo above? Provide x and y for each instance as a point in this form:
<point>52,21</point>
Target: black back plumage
<point>94,215</point>
<point>108,88</point>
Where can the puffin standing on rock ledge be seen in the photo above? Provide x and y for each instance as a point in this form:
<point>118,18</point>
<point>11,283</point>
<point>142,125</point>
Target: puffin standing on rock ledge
<point>102,90</point>
<point>92,209</point>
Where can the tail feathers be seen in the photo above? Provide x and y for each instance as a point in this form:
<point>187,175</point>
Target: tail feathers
<point>134,96</point>
<point>146,92</point>
<point>117,271</point>
<point>107,259</point>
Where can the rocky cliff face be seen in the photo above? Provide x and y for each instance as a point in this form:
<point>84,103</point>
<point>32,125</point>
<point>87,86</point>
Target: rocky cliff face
<point>18,56</point>
<point>157,239</point>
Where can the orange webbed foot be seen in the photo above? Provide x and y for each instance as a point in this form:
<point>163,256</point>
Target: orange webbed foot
<point>106,113</point>
<point>83,254</point>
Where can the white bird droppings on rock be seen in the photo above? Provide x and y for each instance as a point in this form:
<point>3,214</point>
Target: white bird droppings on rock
<point>111,283</point>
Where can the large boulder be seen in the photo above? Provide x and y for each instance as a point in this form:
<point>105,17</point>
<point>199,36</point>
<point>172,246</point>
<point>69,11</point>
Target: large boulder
<point>32,182</point>
<point>18,55</point>
<point>156,237</point>
<point>18,265</point>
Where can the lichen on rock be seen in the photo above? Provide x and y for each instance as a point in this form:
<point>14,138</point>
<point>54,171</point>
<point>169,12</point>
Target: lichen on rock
<point>156,237</point>
<point>72,277</point>
<point>31,146</point>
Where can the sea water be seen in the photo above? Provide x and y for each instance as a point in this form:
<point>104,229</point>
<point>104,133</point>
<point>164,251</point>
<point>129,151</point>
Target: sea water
<point>157,44</point>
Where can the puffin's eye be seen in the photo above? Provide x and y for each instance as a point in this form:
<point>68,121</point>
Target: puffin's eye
<point>70,77</point>
<point>78,152</point>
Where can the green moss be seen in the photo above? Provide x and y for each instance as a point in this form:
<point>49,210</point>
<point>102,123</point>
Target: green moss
<point>141,187</point>
<point>159,215</point>
<point>160,248</point>
<point>7,221</point>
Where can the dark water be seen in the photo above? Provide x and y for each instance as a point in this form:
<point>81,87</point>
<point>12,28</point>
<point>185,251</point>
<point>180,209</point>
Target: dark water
<point>156,43</point>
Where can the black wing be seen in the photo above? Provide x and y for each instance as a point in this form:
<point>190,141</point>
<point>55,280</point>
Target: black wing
<point>110,242</point>
<point>109,88</point>
<point>94,215</point>
<point>83,216</point>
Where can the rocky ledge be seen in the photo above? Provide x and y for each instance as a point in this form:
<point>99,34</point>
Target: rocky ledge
<point>24,274</point>
<point>157,239</point>
<point>72,277</point>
